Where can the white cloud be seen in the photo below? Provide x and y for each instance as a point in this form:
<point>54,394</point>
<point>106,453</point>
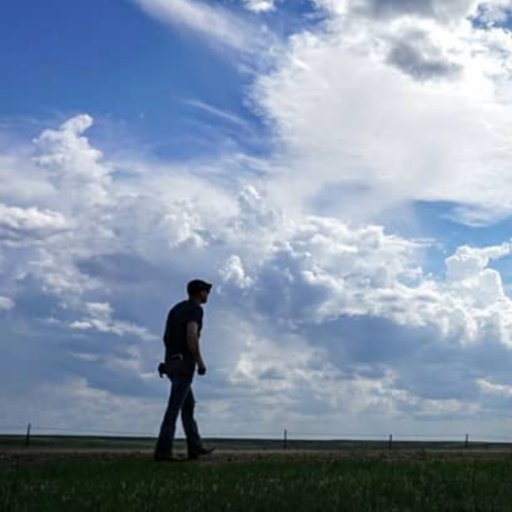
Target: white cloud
<point>493,388</point>
<point>260,5</point>
<point>206,19</point>
<point>297,272</point>
<point>6,303</point>
<point>325,270</point>
<point>21,182</point>
<point>100,319</point>
<point>219,113</point>
<point>82,409</point>
<point>29,224</point>
<point>469,261</point>
<point>74,165</point>
<point>371,113</point>
<point>233,272</point>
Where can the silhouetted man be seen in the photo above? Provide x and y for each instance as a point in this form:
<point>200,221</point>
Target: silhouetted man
<point>182,357</point>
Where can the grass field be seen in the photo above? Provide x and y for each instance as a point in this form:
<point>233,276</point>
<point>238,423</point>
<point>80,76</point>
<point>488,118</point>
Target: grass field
<point>256,479</point>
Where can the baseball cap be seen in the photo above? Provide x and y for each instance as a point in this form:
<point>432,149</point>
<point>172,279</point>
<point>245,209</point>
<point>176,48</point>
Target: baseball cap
<point>198,285</point>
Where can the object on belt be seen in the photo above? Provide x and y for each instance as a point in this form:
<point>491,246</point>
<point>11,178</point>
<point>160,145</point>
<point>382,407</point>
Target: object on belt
<point>162,369</point>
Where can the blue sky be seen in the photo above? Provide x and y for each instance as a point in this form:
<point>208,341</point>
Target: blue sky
<point>338,169</point>
<point>124,66</point>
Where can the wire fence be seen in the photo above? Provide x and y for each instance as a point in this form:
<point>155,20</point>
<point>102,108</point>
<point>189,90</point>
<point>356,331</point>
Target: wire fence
<point>284,434</point>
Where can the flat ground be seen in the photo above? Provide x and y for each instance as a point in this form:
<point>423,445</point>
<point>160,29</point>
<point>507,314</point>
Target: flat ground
<point>118,474</point>
<point>46,448</point>
<point>224,456</point>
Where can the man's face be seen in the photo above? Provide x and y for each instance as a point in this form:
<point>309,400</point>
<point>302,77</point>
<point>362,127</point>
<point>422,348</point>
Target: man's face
<point>204,296</point>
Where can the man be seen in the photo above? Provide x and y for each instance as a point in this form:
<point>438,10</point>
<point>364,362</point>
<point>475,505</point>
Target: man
<point>182,356</point>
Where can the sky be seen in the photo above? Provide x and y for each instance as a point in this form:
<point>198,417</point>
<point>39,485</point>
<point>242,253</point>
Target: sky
<point>340,170</point>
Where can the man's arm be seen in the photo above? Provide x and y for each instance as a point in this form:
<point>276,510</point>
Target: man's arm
<point>193,345</point>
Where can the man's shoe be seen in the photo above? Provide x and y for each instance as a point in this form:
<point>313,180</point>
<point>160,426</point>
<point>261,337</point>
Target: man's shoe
<point>202,451</point>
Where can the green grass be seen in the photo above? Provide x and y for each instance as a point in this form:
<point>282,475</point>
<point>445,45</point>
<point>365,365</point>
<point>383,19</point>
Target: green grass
<point>138,484</point>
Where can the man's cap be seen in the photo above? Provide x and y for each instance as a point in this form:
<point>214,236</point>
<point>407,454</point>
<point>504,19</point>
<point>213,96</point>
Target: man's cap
<point>197,286</point>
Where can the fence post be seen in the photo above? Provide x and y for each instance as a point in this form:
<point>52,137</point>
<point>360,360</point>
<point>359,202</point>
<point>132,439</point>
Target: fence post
<point>27,437</point>
<point>466,444</point>
<point>390,442</point>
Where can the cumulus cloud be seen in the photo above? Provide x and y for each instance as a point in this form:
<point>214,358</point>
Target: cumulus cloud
<point>469,261</point>
<point>348,306</point>
<point>74,164</point>
<point>435,128</point>
<point>233,272</point>
<point>29,224</point>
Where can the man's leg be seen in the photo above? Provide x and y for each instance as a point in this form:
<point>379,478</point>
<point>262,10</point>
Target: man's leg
<point>180,389</point>
<point>194,444</point>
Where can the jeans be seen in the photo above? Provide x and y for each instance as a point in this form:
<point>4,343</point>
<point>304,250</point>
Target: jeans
<point>181,398</point>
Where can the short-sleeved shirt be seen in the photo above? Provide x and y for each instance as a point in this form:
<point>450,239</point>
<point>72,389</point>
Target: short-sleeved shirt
<point>175,336</point>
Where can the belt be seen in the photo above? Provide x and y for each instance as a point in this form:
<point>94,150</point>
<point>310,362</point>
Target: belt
<point>176,357</point>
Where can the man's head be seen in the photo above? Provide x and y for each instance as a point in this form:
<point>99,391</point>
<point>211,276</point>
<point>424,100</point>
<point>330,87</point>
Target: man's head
<point>198,290</point>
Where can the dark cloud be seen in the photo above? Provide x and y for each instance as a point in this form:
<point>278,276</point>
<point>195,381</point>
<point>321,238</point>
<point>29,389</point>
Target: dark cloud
<point>448,377</point>
<point>380,8</point>
<point>363,340</point>
<point>440,9</point>
<point>419,64</point>
<point>425,366</point>
<point>32,302</point>
<point>120,267</point>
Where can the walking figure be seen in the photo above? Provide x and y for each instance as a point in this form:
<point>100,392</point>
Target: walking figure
<point>182,357</point>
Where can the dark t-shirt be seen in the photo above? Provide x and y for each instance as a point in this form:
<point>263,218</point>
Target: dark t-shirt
<point>175,336</point>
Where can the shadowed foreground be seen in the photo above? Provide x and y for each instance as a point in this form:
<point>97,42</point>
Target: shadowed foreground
<point>255,481</point>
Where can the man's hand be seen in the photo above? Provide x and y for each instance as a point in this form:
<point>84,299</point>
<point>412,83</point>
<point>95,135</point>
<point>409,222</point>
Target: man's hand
<point>193,345</point>
<point>201,368</point>
<point>162,370</point>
